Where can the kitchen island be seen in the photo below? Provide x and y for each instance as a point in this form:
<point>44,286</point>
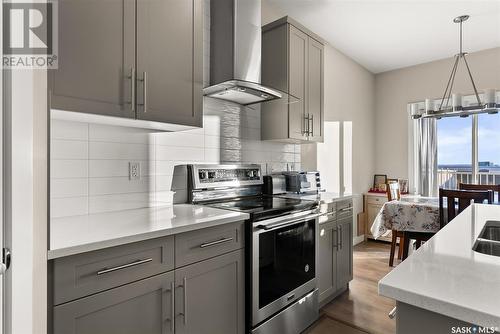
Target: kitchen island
<point>446,285</point>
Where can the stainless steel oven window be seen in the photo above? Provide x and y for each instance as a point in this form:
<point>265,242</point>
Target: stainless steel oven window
<point>284,264</point>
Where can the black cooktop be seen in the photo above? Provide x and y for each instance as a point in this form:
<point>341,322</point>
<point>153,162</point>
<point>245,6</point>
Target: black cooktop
<point>263,207</point>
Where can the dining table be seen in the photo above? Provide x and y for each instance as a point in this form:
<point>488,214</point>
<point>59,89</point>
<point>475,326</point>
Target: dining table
<point>410,215</point>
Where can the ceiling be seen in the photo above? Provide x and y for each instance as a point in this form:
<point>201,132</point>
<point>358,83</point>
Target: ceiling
<point>383,35</point>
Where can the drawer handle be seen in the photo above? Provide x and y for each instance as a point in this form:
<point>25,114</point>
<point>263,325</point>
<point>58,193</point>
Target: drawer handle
<point>213,243</point>
<point>346,209</point>
<point>393,313</point>
<point>124,266</point>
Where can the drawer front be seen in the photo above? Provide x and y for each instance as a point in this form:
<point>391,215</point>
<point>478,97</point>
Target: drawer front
<point>376,200</point>
<point>344,209</point>
<point>199,245</point>
<point>84,274</point>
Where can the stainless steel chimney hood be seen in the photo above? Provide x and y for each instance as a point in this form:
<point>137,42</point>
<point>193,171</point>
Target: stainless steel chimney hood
<point>235,53</point>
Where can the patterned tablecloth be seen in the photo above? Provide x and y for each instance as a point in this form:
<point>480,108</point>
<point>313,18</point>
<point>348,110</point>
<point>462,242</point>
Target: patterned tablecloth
<point>418,214</point>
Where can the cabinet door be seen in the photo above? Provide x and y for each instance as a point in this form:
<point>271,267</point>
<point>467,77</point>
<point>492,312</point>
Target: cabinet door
<point>297,82</point>
<point>344,253</point>
<point>327,260</point>
<point>210,296</point>
<point>373,210</point>
<point>170,61</point>
<point>315,89</point>
<point>96,57</point>
<point>141,307</point>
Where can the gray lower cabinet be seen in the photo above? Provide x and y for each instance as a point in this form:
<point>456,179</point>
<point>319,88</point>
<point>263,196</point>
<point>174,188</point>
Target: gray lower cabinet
<point>135,288</point>
<point>344,252</point>
<point>210,299</point>
<point>327,259</point>
<point>335,256</point>
<point>142,307</point>
<point>292,61</point>
<point>146,64</point>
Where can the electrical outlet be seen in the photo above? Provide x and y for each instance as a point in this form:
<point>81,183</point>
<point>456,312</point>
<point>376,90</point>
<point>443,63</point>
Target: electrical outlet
<point>134,170</point>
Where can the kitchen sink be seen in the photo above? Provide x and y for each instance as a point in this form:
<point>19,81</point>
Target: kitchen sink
<point>491,231</point>
<point>488,241</point>
<point>487,247</point>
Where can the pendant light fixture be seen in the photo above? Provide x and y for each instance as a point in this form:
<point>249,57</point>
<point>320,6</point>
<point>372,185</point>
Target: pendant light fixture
<point>444,109</point>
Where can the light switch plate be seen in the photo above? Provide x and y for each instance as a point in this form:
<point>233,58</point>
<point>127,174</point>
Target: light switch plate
<point>134,170</point>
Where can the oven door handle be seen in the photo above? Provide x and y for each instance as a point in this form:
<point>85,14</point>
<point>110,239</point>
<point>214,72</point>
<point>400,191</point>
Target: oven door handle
<point>287,223</point>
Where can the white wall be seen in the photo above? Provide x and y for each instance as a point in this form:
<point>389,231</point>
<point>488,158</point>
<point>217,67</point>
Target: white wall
<point>395,89</point>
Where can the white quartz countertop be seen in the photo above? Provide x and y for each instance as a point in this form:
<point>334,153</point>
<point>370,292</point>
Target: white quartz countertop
<point>78,234</point>
<point>446,276</point>
<point>325,197</point>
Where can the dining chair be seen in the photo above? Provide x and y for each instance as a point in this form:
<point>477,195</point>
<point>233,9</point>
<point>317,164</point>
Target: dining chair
<point>394,193</point>
<point>493,187</point>
<point>458,200</point>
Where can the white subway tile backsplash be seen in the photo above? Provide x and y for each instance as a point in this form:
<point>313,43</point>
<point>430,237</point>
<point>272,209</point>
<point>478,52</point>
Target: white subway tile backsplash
<point>116,202</point>
<point>68,168</point>
<point>68,206</point>
<point>123,151</point>
<point>68,149</point>
<point>186,154</point>
<point>180,139</point>
<point>119,185</point>
<point>113,168</point>
<point>60,188</point>
<point>60,129</point>
<point>118,134</point>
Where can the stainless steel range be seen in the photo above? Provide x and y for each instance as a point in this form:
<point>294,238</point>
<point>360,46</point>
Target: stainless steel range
<point>281,234</point>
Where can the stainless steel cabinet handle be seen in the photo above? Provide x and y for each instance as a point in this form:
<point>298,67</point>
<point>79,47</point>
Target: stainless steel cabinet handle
<point>124,266</point>
<point>132,88</point>
<point>184,311</point>
<point>341,237</point>
<point>346,209</point>
<point>393,313</point>
<point>336,239</point>
<point>144,81</point>
<point>312,125</point>
<point>213,243</point>
<point>306,125</point>
<point>172,306</point>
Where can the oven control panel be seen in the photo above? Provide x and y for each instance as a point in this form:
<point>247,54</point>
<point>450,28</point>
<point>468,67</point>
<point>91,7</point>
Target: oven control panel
<point>218,175</point>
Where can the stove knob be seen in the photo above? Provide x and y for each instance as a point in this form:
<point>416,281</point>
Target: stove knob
<point>249,173</point>
<point>211,175</point>
<point>203,175</point>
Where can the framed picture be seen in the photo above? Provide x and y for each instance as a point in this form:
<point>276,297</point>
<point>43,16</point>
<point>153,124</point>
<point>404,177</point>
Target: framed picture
<point>392,180</point>
<point>379,179</point>
<point>403,186</point>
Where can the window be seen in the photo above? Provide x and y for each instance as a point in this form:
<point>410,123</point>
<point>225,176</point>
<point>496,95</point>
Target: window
<point>458,161</point>
<point>489,149</point>
<point>454,151</point>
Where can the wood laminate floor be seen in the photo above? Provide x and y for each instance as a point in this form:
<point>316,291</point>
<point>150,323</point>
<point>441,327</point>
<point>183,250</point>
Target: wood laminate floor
<point>360,309</point>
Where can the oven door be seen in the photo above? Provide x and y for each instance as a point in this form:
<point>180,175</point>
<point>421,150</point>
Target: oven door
<point>283,262</point>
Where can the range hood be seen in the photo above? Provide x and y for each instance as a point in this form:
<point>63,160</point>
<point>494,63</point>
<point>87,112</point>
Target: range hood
<point>235,53</point>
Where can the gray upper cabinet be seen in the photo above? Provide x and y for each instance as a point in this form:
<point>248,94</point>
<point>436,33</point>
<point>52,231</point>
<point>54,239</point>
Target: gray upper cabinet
<point>169,61</point>
<point>93,73</point>
<point>210,297</point>
<point>141,307</point>
<point>315,98</point>
<point>292,61</point>
<point>146,62</point>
